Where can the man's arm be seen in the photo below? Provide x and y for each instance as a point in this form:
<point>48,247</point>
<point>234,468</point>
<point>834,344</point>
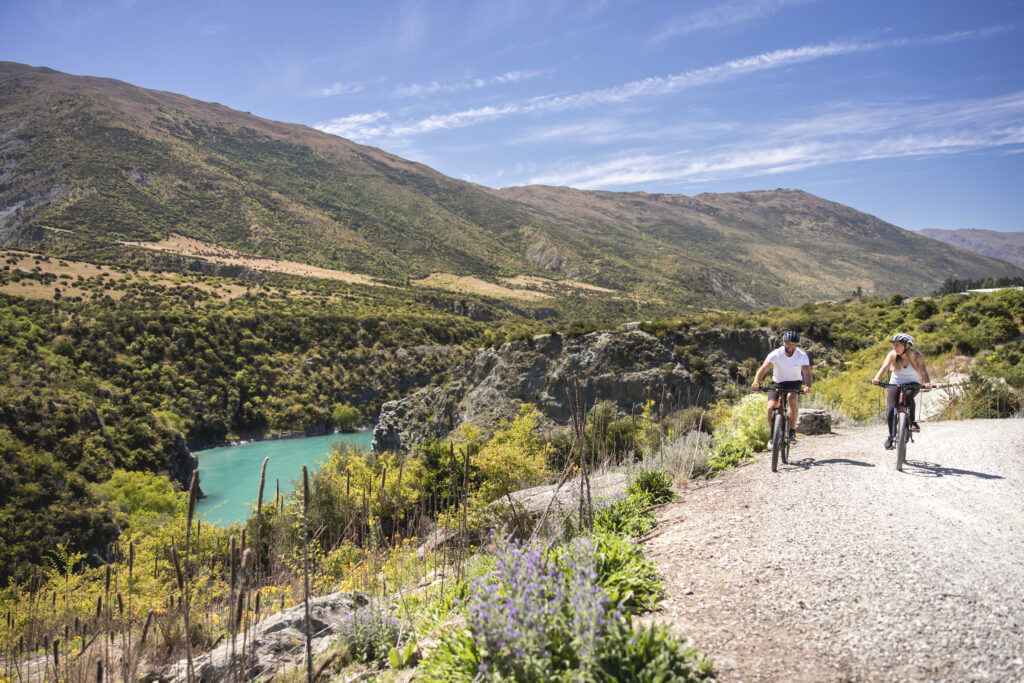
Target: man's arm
<point>760,373</point>
<point>805,370</point>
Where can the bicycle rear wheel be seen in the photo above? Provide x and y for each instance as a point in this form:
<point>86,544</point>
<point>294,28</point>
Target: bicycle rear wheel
<point>902,436</point>
<point>778,439</point>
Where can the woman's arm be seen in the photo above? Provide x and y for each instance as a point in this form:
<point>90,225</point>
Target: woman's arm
<point>918,359</point>
<point>885,366</point>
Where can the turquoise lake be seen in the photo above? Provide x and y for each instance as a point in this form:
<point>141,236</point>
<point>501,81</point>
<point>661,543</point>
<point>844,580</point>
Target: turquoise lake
<point>230,475</point>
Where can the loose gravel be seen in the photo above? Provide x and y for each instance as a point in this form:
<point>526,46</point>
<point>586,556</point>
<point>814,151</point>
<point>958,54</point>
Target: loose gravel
<point>840,568</point>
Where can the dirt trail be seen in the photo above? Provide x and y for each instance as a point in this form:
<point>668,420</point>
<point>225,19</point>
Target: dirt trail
<point>839,568</point>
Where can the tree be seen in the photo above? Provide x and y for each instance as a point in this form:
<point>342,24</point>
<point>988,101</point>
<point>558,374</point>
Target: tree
<point>344,416</point>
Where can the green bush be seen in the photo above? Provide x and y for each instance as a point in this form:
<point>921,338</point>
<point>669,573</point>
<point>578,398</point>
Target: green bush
<point>982,397</point>
<point>740,431</point>
<point>624,515</point>
<point>628,579</point>
<point>653,485</point>
<point>456,659</point>
<point>652,653</point>
<point>144,500</point>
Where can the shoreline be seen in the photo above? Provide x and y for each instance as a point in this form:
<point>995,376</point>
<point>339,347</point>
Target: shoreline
<point>278,436</point>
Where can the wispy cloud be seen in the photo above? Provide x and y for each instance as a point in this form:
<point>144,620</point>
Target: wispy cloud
<point>212,29</point>
<point>853,134</point>
<point>358,126</point>
<point>422,89</point>
<point>655,85</point>
<point>338,89</point>
<point>726,14</point>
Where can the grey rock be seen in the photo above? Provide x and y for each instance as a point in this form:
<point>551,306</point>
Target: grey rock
<point>278,642</point>
<point>602,487</point>
<point>814,421</point>
<point>626,367</point>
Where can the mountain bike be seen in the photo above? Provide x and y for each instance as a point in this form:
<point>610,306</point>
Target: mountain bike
<point>903,431</point>
<point>780,425</point>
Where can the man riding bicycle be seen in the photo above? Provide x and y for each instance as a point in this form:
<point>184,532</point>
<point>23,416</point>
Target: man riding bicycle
<point>908,367</point>
<point>790,368</point>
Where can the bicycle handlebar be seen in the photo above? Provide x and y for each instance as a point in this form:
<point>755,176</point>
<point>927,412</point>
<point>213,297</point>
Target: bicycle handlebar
<point>909,385</point>
<point>774,386</point>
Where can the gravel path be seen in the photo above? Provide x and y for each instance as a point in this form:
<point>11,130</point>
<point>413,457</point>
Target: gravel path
<point>839,568</point>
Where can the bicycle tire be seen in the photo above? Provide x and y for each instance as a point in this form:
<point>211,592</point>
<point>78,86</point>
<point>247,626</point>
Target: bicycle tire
<point>778,438</point>
<point>902,435</point>
<point>785,448</point>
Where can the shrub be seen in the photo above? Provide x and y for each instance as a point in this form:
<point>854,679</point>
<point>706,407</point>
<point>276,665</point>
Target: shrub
<point>456,659</point>
<point>143,500</point>
<point>740,431</point>
<point>982,397</point>
<point>653,653</point>
<point>533,619</point>
<point>556,620</point>
<point>628,579</point>
<point>653,485</point>
<point>514,457</point>
<point>623,514</point>
<point>692,418</point>
<point>369,633</point>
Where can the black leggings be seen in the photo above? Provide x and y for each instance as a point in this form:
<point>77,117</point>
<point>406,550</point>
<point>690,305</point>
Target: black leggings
<point>892,400</point>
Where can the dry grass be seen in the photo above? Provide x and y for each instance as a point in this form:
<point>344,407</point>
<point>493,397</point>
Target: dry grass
<point>32,289</point>
<point>530,281</point>
<point>472,285</point>
<point>176,244</point>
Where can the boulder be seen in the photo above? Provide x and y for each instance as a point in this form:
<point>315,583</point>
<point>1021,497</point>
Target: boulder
<point>278,642</point>
<point>602,487</point>
<point>814,421</point>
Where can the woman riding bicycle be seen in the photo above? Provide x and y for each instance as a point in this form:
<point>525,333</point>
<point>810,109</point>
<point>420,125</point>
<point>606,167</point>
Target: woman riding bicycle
<point>907,365</point>
<point>791,368</point>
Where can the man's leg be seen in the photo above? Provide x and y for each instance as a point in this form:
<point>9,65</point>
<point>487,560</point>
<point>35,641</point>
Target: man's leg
<point>794,411</point>
<point>772,405</point>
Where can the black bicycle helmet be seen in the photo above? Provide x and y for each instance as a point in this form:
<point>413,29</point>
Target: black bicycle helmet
<point>791,336</point>
<point>904,338</point>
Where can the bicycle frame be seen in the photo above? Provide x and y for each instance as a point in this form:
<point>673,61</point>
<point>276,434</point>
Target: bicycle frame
<point>903,432</point>
<point>780,425</point>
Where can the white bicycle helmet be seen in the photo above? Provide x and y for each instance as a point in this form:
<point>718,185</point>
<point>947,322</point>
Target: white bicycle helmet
<point>904,338</point>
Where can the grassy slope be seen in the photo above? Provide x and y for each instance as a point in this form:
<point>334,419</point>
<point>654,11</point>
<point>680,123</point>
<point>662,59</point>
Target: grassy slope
<point>109,161</point>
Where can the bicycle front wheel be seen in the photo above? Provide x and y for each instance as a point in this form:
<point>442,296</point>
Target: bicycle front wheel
<point>902,436</point>
<point>778,439</point>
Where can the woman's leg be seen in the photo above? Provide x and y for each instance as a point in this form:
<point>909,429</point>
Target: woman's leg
<point>891,398</point>
<point>911,404</point>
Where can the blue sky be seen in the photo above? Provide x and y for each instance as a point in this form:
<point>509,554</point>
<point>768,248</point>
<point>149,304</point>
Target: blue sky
<point>909,110</point>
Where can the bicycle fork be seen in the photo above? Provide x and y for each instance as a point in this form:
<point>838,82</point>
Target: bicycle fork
<point>903,409</point>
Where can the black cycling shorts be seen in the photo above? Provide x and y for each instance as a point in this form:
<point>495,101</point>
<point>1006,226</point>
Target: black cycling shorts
<point>774,393</point>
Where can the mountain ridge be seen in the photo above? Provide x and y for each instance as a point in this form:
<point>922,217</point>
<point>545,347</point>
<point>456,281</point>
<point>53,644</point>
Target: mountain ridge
<point>110,163</point>
<point>1005,246</point>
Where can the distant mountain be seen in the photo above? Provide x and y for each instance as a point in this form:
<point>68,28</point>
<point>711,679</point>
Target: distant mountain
<point>89,164</point>
<point>1006,246</point>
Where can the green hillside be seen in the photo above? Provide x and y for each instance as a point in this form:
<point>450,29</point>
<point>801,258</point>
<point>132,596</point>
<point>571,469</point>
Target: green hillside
<point>89,163</point>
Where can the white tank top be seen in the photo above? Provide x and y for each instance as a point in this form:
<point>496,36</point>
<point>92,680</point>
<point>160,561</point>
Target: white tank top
<point>904,375</point>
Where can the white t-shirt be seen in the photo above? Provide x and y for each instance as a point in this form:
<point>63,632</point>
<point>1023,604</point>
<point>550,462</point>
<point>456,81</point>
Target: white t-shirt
<point>787,368</point>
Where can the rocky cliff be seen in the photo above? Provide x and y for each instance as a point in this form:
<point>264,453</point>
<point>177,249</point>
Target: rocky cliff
<point>675,369</point>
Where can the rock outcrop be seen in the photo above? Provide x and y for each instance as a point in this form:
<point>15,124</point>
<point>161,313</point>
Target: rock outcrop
<point>276,643</point>
<point>675,369</point>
